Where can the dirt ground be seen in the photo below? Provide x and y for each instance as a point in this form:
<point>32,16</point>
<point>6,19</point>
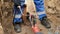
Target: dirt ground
<point>27,29</point>
<point>6,18</point>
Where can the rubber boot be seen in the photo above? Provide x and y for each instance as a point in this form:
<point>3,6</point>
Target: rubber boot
<point>45,22</point>
<point>17,27</point>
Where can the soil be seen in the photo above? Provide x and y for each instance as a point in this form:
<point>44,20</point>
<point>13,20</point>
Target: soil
<point>6,17</point>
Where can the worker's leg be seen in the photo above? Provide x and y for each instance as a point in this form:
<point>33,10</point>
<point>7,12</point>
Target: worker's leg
<point>17,15</point>
<point>17,19</point>
<point>39,4</point>
<point>17,12</point>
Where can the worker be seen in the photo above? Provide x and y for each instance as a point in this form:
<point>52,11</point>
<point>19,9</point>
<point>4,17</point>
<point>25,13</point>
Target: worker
<point>19,6</point>
<point>40,10</point>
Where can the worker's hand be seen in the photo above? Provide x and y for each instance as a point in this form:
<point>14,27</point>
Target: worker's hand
<point>18,7</point>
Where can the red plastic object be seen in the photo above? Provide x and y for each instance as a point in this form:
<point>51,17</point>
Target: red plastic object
<point>35,29</point>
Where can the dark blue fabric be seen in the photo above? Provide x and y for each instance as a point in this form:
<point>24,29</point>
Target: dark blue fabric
<point>19,20</point>
<point>41,16</point>
<point>39,4</point>
<point>19,2</point>
<point>22,2</point>
<point>17,11</point>
<point>39,9</point>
